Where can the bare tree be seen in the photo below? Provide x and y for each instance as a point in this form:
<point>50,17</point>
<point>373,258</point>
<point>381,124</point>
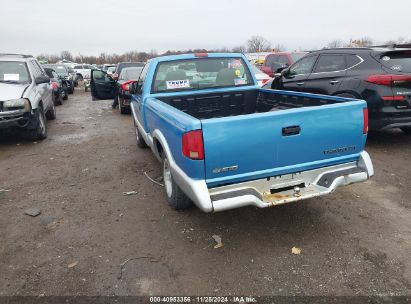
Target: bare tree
<point>279,48</point>
<point>153,53</point>
<point>258,44</point>
<point>66,55</point>
<point>335,44</point>
<point>239,49</point>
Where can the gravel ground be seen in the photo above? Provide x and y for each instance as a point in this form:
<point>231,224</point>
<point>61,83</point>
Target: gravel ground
<point>90,239</point>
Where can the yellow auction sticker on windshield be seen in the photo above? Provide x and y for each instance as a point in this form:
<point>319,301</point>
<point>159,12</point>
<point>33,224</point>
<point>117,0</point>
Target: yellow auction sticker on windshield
<point>237,73</point>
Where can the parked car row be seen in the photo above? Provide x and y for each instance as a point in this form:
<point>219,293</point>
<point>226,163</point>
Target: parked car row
<point>115,85</point>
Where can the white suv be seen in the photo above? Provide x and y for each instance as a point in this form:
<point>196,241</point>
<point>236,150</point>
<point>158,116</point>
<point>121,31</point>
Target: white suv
<point>25,95</point>
<point>83,71</point>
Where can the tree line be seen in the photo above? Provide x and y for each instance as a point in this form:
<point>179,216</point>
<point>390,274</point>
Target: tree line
<point>253,45</point>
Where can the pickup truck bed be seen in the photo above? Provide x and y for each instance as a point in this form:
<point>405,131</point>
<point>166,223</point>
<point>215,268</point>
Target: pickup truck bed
<point>223,104</point>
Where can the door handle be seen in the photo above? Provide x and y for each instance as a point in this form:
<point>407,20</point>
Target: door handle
<point>334,81</point>
<point>291,130</point>
<point>300,83</point>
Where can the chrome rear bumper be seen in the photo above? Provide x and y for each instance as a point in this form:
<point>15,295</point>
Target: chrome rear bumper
<point>289,188</point>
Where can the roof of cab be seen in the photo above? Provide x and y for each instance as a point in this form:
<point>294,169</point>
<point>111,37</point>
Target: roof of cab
<point>193,56</point>
<point>15,57</point>
<point>348,50</point>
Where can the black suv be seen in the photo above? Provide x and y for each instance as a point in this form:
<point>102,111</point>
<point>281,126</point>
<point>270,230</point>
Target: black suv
<point>379,75</point>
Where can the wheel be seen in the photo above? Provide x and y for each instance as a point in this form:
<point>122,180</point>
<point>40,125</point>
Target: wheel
<point>58,101</point>
<point>51,114</point>
<point>175,196</point>
<point>406,130</point>
<point>65,93</point>
<point>123,110</point>
<point>71,91</point>
<point>140,141</point>
<point>40,131</point>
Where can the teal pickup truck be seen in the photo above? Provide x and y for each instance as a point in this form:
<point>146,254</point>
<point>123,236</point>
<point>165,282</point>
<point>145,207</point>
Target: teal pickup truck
<point>225,143</point>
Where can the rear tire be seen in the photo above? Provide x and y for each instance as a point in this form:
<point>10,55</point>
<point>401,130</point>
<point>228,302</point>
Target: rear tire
<point>40,132</point>
<point>175,196</point>
<point>124,110</point>
<point>71,91</point>
<point>406,130</point>
<point>59,99</point>
<point>140,141</point>
<point>65,92</point>
<point>51,114</point>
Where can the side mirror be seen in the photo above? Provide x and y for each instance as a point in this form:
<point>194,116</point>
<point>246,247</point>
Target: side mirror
<point>280,69</point>
<point>134,87</point>
<point>42,79</point>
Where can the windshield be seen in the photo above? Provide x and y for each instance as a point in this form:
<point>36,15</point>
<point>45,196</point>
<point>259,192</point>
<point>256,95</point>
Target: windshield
<point>197,74</point>
<point>123,65</point>
<point>14,72</point>
<point>256,70</point>
<point>130,74</point>
<point>297,56</point>
<point>60,70</point>
<point>397,61</point>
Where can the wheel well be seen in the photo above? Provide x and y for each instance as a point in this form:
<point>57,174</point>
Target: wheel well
<point>355,94</point>
<point>159,147</point>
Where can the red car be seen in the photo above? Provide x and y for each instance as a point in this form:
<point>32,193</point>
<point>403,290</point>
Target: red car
<point>275,61</point>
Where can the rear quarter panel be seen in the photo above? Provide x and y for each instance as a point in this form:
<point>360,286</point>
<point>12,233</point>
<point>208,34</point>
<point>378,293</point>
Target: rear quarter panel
<point>173,123</point>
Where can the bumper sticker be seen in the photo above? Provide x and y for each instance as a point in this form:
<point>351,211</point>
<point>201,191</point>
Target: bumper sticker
<point>177,84</point>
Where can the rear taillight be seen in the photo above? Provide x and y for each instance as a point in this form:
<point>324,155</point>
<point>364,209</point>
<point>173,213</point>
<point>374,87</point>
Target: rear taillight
<point>393,98</point>
<point>365,119</point>
<point>388,79</point>
<point>193,146</point>
<point>264,81</point>
<point>54,85</point>
<point>126,85</point>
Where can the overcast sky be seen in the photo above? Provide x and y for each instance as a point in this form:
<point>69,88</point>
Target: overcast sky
<point>90,27</point>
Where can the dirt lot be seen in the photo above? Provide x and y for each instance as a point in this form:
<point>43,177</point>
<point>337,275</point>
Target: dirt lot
<point>356,241</point>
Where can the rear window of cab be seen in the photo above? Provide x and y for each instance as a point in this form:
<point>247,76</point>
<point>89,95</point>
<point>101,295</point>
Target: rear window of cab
<point>198,74</point>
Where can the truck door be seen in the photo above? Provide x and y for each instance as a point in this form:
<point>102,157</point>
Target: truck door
<point>294,78</point>
<point>328,74</point>
<point>137,98</point>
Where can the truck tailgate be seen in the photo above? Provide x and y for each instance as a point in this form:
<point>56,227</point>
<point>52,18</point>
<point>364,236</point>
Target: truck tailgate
<point>259,145</point>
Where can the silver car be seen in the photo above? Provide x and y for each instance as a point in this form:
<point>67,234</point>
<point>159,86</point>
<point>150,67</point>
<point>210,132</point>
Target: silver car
<point>25,95</point>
